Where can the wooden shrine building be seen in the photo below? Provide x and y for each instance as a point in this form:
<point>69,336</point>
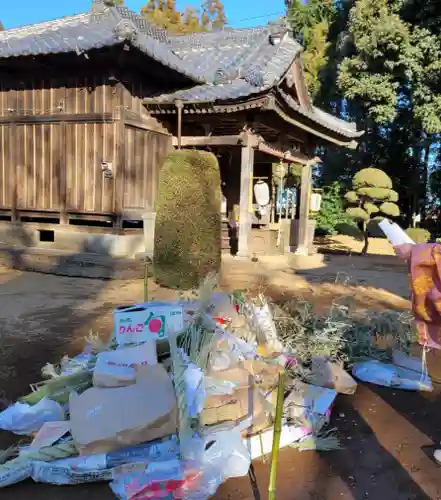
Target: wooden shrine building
<point>91,104</point>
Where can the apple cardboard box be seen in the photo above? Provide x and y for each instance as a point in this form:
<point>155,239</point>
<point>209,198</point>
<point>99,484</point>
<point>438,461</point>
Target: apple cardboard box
<point>103,420</point>
<point>152,320</point>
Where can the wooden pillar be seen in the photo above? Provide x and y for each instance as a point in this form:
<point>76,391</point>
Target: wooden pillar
<point>13,145</point>
<point>62,169</point>
<point>118,176</point>
<point>302,247</point>
<point>246,176</point>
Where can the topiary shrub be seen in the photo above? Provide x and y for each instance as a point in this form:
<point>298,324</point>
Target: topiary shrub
<point>188,219</point>
<point>371,197</point>
<point>418,234</point>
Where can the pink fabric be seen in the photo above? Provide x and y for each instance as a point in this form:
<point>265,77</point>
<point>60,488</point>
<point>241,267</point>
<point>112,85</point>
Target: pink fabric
<point>425,282</point>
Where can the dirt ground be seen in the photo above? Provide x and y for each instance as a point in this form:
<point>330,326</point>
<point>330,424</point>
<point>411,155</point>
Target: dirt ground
<point>388,436</point>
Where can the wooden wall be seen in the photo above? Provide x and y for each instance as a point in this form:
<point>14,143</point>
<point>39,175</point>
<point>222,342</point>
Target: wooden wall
<point>56,132</point>
<point>79,94</point>
<point>145,152</point>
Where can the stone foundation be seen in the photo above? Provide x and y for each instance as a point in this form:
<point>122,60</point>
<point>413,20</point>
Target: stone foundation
<point>75,239</point>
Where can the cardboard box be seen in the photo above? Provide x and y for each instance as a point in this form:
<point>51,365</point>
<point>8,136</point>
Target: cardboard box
<point>152,320</point>
<point>49,434</point>
<point>117,368</point>
<point>103,420</point>
<point>238,376</point>
<point>266,375</point>
<point>243,404</point>
<point>332,376</point>
<point>250,373</point>
<point>261,444</point>
<point>310,398</point>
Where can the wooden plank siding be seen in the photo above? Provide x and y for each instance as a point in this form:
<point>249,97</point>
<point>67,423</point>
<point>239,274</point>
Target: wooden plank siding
<point>87,146</point>
<point>38,159</point>
<point>55,133</point>
<point>57,166</point>
<point>145,152</point>
<point>82,94</point>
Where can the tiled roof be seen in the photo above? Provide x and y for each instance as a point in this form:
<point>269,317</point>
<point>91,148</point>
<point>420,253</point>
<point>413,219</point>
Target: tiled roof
<point>94,30</point>
<point>319,116</point>
<point>246,54</point>
<point>223,65</point>
<point>209,93</point>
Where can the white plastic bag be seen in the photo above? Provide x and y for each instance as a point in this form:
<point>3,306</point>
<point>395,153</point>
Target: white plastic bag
<point>389,375</point>
<point>195,390</point>
<point>263,321</point>
<point>24,420</point>
<point>225,457</point>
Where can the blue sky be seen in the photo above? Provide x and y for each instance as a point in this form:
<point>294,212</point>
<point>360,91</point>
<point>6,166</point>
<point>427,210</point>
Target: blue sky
<point>241,13</point>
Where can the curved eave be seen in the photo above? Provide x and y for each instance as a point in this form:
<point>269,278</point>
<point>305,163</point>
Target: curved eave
<point>311,128</point>
<point>264,102</point>
<point>327,121</point>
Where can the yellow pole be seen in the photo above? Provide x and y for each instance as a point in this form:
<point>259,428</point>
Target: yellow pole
<point>276,438</point>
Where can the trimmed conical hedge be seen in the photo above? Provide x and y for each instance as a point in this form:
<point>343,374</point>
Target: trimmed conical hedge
<point>188,219</point>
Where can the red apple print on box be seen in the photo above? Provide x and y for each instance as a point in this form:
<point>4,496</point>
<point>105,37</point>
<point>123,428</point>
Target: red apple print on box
<point>156,325</point>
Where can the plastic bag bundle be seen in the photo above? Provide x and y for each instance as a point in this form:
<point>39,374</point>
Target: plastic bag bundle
<point>389,375</point>
<point>25,420</point>
<point>103,467</point>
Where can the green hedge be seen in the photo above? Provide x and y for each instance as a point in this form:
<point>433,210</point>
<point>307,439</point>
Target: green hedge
<point>188,219</point>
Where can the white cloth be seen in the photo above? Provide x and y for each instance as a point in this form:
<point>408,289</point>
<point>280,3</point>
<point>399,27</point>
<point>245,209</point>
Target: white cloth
<point>262,195</point>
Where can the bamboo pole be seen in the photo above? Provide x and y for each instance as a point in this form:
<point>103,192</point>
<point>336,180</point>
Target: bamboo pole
<point>146,281</point>
<point>276,438</point>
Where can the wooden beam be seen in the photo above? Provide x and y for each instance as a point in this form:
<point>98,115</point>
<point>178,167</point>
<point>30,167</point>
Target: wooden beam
<point>14,181</point>
<point>179,106</point>
<point>62,172</point>
<point>58,118</point>
<point>147,123</point>
<point>214,140</point>
<point>287,156</point>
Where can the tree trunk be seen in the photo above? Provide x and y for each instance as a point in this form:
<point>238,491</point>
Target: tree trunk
<point>366,239</point>
<point>426,176</point>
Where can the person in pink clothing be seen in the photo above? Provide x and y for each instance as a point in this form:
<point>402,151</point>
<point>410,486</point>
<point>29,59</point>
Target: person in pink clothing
<point>425,281</point>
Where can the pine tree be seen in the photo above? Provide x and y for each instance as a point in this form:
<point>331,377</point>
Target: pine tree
<point>310,23</point>
<point>213,14</point>
<point>164,14</point>
<point>191,21</point>
<point>372,196</point>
